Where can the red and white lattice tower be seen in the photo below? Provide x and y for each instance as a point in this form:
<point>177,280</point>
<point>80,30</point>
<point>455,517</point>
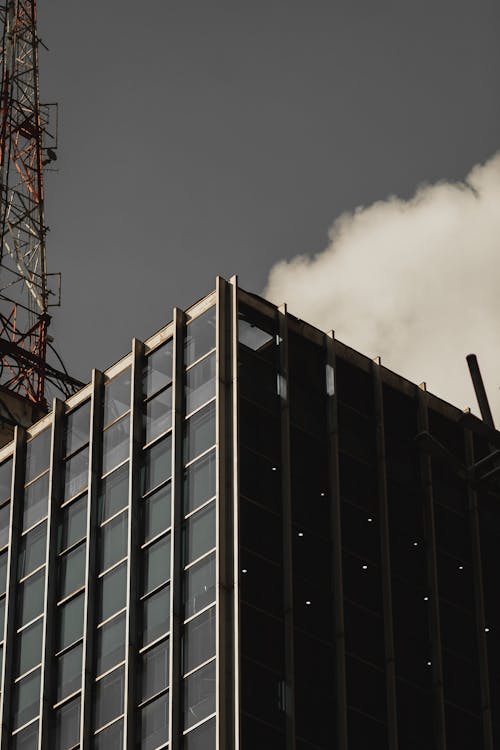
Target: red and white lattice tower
<point>26,147</point>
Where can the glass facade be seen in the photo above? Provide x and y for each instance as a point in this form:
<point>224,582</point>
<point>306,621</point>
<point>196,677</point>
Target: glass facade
<point>246,535</point>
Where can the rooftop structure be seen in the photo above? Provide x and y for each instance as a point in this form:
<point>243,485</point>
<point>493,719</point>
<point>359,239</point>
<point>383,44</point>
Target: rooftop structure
<point>247,535</point>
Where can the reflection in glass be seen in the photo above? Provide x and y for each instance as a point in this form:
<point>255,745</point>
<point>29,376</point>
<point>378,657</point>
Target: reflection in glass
<point>109,697</point>
<point>157,512</point>
<point>110,737</point>
<point>199,533</point>
<point>4,524</point>
<point>199,586</point>
<point>201,738</point>
<point>77,429</point>
<point>158,415</point>
<point>112,592</point>
<point>199,482</point>
<point>115,444</point>
<point>72,571</point>
<point>110,644</point>
<point>32,550</point>
<point>36,498</point>
<point>73,524</point>
<point>154,723</point>
<point>26,699</point>
<point>251,336</point>
<point>156,564</point>
<point>157,464</point>
<point>200,336</point>
<point>156,615</point>
<point>113,541</point>
<point>200,383</point>
<point>30,598</point>
<point>154,671</point>
<point>158,369</point>
<point>37,455</point>
<point>199,695</point>
<point>199,640</point>
<point>76,471</point>
<point>5,479</point>
<point>199,432</point>
<point>29,649</point>
<point>67,725</point>
<point>70,622</point>
<point>114,493</point>
<point>69,672</point>
<point>116,397</point>
<point>26,739</point>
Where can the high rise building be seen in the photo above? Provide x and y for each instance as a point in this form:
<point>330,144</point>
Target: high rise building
<point>246,535</point>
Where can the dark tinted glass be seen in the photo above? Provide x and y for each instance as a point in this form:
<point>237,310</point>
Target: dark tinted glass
<point>200,336</point>
<point>112,592</point>
<point>199,586</point>
<point>69,672</point>
<point>115,444</point>
<point>109,698</point>
<point>157,464</point>
<point>199,533</point>
<point>4,524</point>
<point>77,428</point>
<point>114,493</point>
<point>29,647</point>
<point>200,383</point>
<point>76,471</point>
<point>199,640</point>
<point>110,738</point>
<point>110,644</point>
<point>199,695</point>
<point>38,455</point>
<point>35,501</point>
<point>199,482</point>
<point>154,670</point>
<point>32,550</point>
<point>70,622</point>
<point>113,541</point>
<point>72,571</point>
<point>30,597</point>
<point>3,572</point>
<point>27,739</point>
<point>199,432</point>
<point>156,615</point>
<point>67,724</point>
<point>5,479</point>
<point>157,564</point>
<point>73,524</point>
<point>157,415</point>
<point>158,369</point>
<point>154,723</point>
<point>203,738</point>
<point>26,699</point>
<point>116,397</point>
<point>157,512</point>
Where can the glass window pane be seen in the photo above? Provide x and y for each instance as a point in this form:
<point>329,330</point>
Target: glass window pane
<point>157,464</point>
<point>3,572</point>
<point>32,549</point>
<point>2,618</point>
<point>156,564</point>
<point>109,697</point>
<point>156,615</point>
<point>201,738</point>
<point>67,725</point>
<point>113,541</point>
<point>154,723</point>
<point>199,695</point>
<point>110,738</point>
<point>111,644</point>
<point>73,525</point>
<point>36,498</point>
<point>37,455</point>
<point>27,739</point>
<point>70,622</point>
<point>199,482</point>
<point>154,672</point>
<point>199,432</point>
<point>76,473</point>
<point>116,397</point>
<point>200,336</point>
<point>157,512</point>
<point>72,570</point>
<point>30,597</point>
<point>114,493</point>
<point>200,383</point>
<point>26,699</point>
<point>251,336</point>
<point>199,533</point>
<point>4,524</point>
<point>5,479</point>
<point>112,592</point>
<point>199,640</point>
<point>29,647</point>
<point>158,369</point>
<point>157,415</point>
<point>69,672</point>
<point>115,444</point>
<point>199,586</point>
<point>77,429</point>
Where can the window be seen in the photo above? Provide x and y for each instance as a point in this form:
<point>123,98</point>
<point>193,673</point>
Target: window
<point>199,482</point>
<point>199,640</point>
<point>199,585</point>
<point>203,737</point>
<point>76,471</point>
<point>200,383</point>
<point>30,597</point>
<point>157,465</point>
<point>4,524</point>
<point>156,615</point>
<point>199,533</point>
<point>158,369</point>
<point>36,497</point>
<point>32,550</point>
<point>154,671</point>
<point>154,723</point>
<point>114,493</point>
<point>200,336</point>
<point>158,415</point>
<point>26,699</point>
<point>73,525</point>
<point>199,432</point>
<point>116,397</point>
<point>157,512</point>
<point>69,672</point>
<point>29,648</point>
<point>110,644</point>
<point>113,541</point>
<point>5,480</point>
<point>38,455</point>
<point>109,697</point>
<point>67,725</point>
<point>70,622</point>
<point>110,737</point>
<point>115,444</point>
<point>77,428</point>
<point>26,739</point>
<point>72,570</point>
<point>157,564</point>
<point>112,592</point>
<point>199,695</point>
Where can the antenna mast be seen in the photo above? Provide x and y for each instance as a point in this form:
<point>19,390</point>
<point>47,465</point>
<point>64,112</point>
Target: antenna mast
<point>26,147</point>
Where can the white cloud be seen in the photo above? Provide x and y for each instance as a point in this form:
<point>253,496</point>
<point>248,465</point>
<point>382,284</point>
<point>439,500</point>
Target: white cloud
<point>416,282</point>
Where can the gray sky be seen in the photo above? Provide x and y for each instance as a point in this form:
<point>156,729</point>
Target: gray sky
<point>199,137</point>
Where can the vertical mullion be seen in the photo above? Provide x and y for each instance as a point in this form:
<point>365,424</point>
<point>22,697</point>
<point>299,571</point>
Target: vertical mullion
<point>432,577</point>
<point>176,609</point>
<point>130,702</point>
<point>235,516</point>
<point>47,681</point>
<point>336,536</point>
<point>286,498</point>
<point>88,689</point>
<point>479,601</point>
<point>224,553</point>
<point>18,471</point>
<point>385,560</point>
